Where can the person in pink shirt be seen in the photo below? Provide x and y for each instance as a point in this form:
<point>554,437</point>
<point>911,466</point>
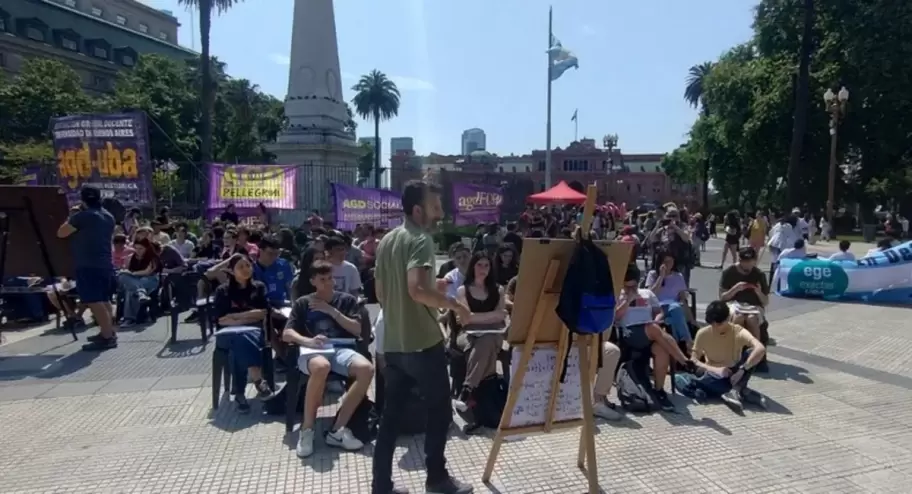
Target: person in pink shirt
<point>246,240</point>
<point>120,250</point>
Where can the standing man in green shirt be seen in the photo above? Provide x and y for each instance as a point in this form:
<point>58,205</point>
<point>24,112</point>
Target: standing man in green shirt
<point>413,344</point>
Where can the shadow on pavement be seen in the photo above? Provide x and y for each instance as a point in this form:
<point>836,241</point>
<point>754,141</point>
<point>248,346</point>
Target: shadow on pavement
<point>786,372</point>
<point>182,349</point>
<point>44,366</point>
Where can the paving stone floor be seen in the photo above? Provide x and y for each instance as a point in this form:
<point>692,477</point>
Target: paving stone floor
<point>137,420</point>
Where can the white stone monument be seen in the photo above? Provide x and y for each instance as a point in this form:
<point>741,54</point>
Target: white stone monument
<point>316,139</point>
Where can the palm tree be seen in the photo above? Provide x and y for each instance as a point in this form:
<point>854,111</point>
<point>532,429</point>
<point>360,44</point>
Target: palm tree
<point>376,98</point>
<point>208,89</point>
<point>693,94</point>
<point>802,95</point>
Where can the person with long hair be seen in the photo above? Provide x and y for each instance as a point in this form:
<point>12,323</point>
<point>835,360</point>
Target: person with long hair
<point>240,308</point>
<point>301,285</point>
<point>479,337</point>
<point>733,231</point>
<point>506,264</point>
<point>138,279</point>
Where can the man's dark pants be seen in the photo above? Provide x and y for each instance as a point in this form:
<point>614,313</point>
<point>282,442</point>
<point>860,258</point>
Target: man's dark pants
<point>427,370</point>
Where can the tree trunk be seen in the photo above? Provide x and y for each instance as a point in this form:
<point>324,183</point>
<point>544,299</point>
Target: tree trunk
<point>705,171</point>
<point>376,150</point>
<point>799,124</point>
<point>207,91</point>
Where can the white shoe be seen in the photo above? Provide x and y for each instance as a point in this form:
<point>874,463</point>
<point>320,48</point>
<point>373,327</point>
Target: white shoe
<point>343,438</point>
<point>602,410</point>
<point>305,446</point>
<point>460,405</point>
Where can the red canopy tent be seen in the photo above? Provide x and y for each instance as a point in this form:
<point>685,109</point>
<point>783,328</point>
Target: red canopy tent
<point>560,193</point>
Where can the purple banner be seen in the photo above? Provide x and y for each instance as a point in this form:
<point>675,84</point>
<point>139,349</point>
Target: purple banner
<point>109,151</point>
<point>31,175</point>
<point>246,186</point>
<point>354,205</point>
<point>473,204</point>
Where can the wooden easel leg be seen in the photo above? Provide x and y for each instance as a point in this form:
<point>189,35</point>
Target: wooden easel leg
<point>492,457</point>
<point>587,439</point>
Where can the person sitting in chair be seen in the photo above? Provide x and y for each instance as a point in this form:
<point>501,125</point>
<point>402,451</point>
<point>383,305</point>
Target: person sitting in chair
<point>138,280</point>
<point>669,286</point>
<point>479,338</point>
<point>725,366</point>
<point>317,324</point>
<point>641,316</point>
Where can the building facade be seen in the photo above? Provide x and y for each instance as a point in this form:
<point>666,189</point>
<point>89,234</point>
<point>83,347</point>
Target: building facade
<point>95,37</point>
<point>630,178</point>
<point>398,144</point>
<point>473,140</point>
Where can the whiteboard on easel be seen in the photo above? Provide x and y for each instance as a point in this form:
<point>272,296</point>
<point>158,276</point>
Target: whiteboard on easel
<point>535,393</point>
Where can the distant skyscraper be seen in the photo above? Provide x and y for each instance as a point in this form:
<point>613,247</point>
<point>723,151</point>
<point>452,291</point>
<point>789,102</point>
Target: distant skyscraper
<point>473,140</point>
<point>376,144</point>
<point>401,144</point>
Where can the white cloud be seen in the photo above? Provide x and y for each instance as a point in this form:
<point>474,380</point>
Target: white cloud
<point>588,30</point>
<point>404,83</point>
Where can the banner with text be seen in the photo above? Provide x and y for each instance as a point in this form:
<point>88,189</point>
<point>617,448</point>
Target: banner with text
<point>473,204</point>
<point>246,186</point>
<point>881,277</point>
<point>355,205</point>
<point>108,151</point>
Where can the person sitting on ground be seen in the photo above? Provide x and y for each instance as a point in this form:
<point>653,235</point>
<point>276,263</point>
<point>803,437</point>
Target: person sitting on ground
<point>317,324</point>
<point>798,250</point>
<point>479,338</point>
<point>239,309</point>
<point>640,315</point>
<point>744,287</point>
<point>345,274</point>
<point>138,279</point>
<point>724,364</point>
<point>843,254</point>
<point>668,284</point>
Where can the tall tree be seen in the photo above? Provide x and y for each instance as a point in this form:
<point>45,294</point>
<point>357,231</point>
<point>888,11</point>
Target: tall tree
<point>377,98</point>
<point>693,94</point>
<point>209,87</point>
<point>802,96</point>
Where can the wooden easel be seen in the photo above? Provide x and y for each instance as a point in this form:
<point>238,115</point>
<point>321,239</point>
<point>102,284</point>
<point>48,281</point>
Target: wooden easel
<point>534,323</point>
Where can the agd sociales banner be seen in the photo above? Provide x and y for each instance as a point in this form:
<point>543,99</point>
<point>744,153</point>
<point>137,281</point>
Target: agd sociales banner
<point>354,205</point>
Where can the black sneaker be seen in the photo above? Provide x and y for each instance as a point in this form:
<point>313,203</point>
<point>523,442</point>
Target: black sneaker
<point>242,404</point>
<point>449,486</point>
<point>100,344</point>
<point>193,317</point>
<point>663,401</point>
<point>264,392</point>
<point>733,400</point>
<point>751,397</point>
<point>98,337</point>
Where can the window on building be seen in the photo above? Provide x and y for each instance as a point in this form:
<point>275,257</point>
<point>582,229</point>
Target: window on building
<point>127,60</point>
<point>70,3</point>
<point>97,11</point>
<point>121,20</point>
<point>69,44</point>
<point>99,52</point>
<point>34,33</point>
<point>541,165</point>
<point>143,28</point>
<point>163,36</point>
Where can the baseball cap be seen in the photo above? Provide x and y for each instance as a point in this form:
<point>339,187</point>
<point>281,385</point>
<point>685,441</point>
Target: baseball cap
<point>90,194</point>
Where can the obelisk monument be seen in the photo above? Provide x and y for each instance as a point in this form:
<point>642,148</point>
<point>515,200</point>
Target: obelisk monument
<point>315,139</point>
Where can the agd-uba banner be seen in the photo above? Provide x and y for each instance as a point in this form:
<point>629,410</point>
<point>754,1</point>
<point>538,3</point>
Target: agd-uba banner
<point>109,151</point>
<point>354,205</point>
<point>473,204</point>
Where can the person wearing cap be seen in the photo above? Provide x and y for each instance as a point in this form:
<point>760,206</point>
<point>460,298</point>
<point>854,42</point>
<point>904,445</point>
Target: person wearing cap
<point>91,231</point>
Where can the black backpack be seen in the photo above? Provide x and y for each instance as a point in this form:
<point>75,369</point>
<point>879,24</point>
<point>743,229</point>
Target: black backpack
<point>634,390</point>
<point>587,300</point>
<point>490,401</point>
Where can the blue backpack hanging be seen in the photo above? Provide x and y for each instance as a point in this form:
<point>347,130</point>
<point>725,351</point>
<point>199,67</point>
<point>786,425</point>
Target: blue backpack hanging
<point>587,302</point>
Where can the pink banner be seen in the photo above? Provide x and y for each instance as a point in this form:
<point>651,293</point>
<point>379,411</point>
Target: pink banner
<point>246,186</point>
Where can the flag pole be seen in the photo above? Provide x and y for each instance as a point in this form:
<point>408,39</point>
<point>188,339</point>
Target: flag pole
<point>548,118</point>
<point>576,125</point>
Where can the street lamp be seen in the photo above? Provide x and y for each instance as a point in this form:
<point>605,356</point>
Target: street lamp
<point>836,107</point>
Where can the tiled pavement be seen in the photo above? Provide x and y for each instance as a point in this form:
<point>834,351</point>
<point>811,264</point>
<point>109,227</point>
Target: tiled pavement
<point>137,420</point>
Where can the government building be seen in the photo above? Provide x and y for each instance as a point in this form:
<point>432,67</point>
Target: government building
<point>95,37</point>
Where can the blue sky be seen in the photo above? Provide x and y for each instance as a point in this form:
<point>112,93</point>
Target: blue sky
<point>482,63</point>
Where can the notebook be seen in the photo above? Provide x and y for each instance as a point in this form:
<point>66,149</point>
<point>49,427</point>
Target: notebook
<point>326,350</point>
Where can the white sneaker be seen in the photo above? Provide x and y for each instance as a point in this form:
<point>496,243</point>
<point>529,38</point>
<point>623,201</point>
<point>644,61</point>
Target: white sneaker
<point>305,443</point>
<point>602,410</point>
<point>343,438</point>
<point>460,405</point>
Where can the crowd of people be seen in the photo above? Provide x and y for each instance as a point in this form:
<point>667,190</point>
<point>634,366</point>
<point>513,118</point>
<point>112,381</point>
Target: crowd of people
<point>308,287</point>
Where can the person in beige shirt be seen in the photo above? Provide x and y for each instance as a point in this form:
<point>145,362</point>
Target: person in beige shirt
<point>726,355</point>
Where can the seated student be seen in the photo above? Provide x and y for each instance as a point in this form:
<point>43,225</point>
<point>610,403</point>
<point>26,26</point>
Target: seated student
<point>640,315</point>
<point>138,280</point>
<point>485,299</point>
<point>316,320</point>
<point>798,250</point>
<point>273,272</point>
<point>241,301</point>
<point>724,364</point>
<point>247,241</point>
<point>450,264</point>
<point>205,249</point>
<point>669,286</point>
<point>455,277</point>
<point>214,273</point>
<point>746,291</point>
<point>120,251</point>
<point>345,275</point>
<point>301,285</point>
<point>843,254</point>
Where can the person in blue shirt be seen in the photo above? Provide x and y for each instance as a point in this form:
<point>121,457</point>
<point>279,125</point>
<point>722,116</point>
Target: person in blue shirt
<point>274,272</point>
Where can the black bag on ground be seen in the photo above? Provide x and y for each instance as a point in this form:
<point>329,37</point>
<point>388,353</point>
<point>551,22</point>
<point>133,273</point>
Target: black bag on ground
<point>634,388</point>
<point>490,401</point>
